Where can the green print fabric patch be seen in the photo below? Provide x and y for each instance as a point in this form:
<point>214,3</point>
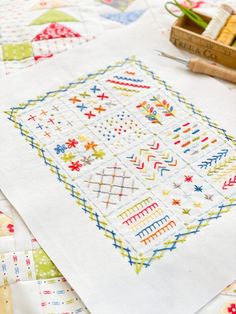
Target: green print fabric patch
<point>18,51</point>
<point>44,267</point>
<point>52,16</point>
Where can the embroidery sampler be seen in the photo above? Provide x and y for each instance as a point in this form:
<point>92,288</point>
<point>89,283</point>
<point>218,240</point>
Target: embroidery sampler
<point>153,169</point>
<point>143,163</point>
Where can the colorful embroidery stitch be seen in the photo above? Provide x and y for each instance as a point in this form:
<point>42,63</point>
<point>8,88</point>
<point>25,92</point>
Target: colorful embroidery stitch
<point>160,214</point>
<point>154,161</point>
<point>111,185</point>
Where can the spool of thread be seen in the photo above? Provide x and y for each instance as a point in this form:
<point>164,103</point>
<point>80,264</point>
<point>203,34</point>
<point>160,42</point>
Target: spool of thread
<point>228,33</point>
<point>218,21</point>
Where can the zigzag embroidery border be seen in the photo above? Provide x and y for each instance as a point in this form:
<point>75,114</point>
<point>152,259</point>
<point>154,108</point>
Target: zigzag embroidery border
<point>139,261</point>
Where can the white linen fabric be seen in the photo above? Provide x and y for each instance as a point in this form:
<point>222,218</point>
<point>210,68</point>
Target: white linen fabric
<point>93,267</point>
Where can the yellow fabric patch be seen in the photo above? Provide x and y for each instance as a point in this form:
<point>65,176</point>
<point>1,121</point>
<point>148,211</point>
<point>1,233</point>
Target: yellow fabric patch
<point>5,300</point>
<point>17,51</point>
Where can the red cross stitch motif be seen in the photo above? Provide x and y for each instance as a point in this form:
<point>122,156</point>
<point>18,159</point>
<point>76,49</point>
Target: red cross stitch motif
<point>90,114</point>
<point>50,120</point>
<point>102,96</point>
<point>188,178</point>
<point>75,166</point>
<point>31,118</point>
<point>72,143</point>
<point>55,30</point>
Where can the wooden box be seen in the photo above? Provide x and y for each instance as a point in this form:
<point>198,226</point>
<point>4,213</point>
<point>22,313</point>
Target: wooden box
<point>187,35</point>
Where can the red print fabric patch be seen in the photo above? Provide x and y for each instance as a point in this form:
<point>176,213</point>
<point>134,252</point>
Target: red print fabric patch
<point>55,30</point>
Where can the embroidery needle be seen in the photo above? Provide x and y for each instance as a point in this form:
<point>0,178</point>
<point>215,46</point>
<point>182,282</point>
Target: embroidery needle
<point>197,65</point>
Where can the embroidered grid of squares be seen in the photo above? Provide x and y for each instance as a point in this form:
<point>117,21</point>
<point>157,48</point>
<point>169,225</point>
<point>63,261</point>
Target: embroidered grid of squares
<point>149,168</point>
<point>18,55</point>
